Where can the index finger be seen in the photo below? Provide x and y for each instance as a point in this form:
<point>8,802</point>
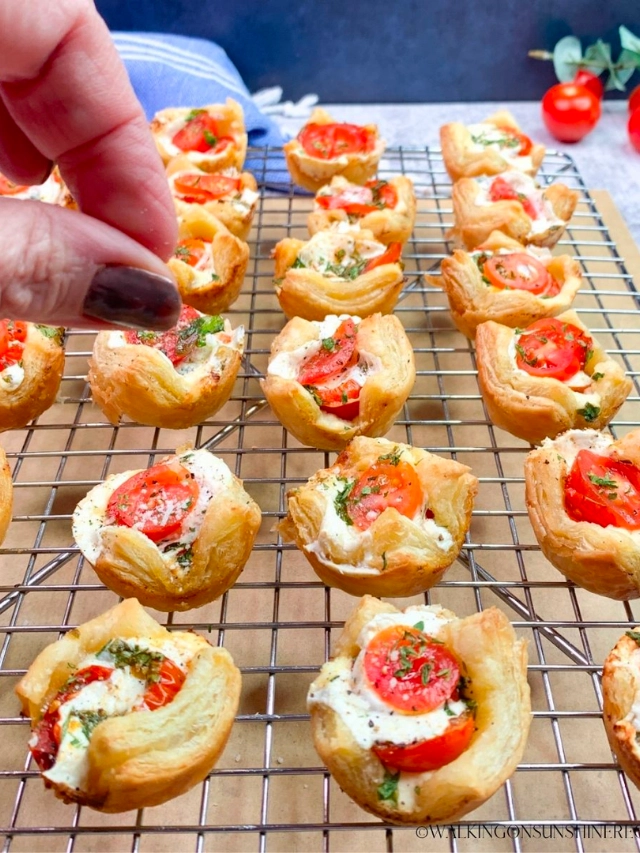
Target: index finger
<point>64,85</point>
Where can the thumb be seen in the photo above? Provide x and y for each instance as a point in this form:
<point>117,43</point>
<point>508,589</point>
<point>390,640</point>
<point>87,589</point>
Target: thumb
<point>65,268</point>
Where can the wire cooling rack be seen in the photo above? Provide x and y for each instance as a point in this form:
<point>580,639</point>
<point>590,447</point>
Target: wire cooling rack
<point>269,790</point>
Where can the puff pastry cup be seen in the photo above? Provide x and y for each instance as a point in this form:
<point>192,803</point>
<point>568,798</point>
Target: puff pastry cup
<point>212,137</point>
<point>524,211</point>
<point>175,535</point>
<point>231,196</point>
<point>342,270</point>
<point>209,263</point>
<point>349,729</point>
<point>536,407</point>
<point>620,689</point>
<point>171,380</point>
<point>314,158</point>
<point>474,298</point>
<point>6,495</point>
<point>51,191</point>
<point>603,559</point>
<point>386,208</point>
<point>386,519</point>
<point>31,369</point>
<point>122,744</point>
<point>488,148</point>
<point>373,370</point>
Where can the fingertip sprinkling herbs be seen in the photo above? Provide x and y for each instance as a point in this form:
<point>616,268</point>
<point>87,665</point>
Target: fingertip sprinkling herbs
<point>590,412</point>
<point>388,790</point>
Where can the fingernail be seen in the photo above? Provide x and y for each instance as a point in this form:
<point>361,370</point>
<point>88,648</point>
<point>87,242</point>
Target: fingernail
<point>138,299</point>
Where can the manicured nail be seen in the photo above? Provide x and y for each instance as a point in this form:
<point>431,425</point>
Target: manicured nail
<point>135,298</point>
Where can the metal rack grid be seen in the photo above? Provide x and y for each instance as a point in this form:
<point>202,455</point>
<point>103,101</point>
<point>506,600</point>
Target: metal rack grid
<point>269,791</point>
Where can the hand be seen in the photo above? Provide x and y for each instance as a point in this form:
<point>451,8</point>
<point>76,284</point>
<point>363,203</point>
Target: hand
<point>65,97</point>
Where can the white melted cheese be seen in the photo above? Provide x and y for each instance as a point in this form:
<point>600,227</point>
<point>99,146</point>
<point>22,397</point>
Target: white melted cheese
<point>524,184</point>
<point>166,134</point>
<point>243,201</point>
<point>341,245</point>
<point>634,665</point>
<point>12,377</point>
<point>90,517</point>
<point>246,201</point>
<point>369,718</point>
<point>571,442</point>
<point>51,191</point>
<point>494,139</point>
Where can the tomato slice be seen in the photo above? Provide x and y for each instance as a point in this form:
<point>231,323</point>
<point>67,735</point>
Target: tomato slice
<point>383,485</point>
<point>200,187</point>
<point>524,141</point>
<point>603,491</point>
<point>155,501</point>
<point>520,271</point>
<point>429,754</point>
<point>391,256</point>
<point>342,400</point>
<point>200,133</point>
<point>552,348</point>
<point>409,670</point>
<point>13,334</point>
<point>167,342</point>
<point>7,187</point>
<point>359,201</point>
<point>335,355</point>
<point>170,680</point>
<point>501,190</point>
<point>327,141</point>
<point>190,251</point>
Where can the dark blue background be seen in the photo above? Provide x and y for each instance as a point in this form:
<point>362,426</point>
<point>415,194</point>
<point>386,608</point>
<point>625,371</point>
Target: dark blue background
<point>350,51</point>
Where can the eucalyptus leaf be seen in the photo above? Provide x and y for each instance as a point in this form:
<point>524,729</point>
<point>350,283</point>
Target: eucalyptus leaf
<point>630,59</point>
<point>566,58</point>
<point>600,55</point>
<point>629,41</point>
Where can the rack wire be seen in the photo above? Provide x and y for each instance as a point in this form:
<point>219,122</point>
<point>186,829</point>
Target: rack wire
<point>270,791</point>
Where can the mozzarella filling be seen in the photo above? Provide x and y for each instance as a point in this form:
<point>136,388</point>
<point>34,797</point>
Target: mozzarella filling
<point>339,252</point>
<point>487,135</point>
<point>545,219</point>
<point>12,377</point>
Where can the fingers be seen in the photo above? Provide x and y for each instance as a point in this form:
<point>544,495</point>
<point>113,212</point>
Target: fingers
<point>66,90</point>
<point>68,269</point>
<point>20,160</point>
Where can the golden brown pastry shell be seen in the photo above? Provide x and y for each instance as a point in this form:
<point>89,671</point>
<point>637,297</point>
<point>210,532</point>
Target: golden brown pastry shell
<point>407,559</point>
<point>388,225</point>
<point>237,222</point>
<point>474,223</point>
<point>620,686</point>
<point>230,120</point>
<point>537,407</point>
<point>140,382</point>
<point>303,292</point>
<point>461,162</point>
<point>604,560</point>
<point>496,663</point>
<point>313,172</point>
<point>381,399</point>
<point>230,258</point>
<point>472,302</point>
<point>43,365</point>
<point>141,759</point>
<point>6,495</point>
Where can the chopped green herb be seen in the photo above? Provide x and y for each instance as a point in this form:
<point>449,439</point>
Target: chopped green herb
<point>443,673</point>
<point>590,412</point>
<point>393,457</point>
<point>298,264</point>
<point>193,114</point>
<point>89,720</point>
<point>329,344</point>
<point>56,333</point>
<point>210,139</point>
<point>388,790</point>
<point>341,499</point>
<point>185,559</point>
<point>635,636</point>
<point>144,663</point>
<point>194,335</point>
<point>425,672</point>
<point>448,710</point>
<point>605,482</point>
<point>384,561</point>
<point>314,393</point>
<point>419,626</point>
<point>596,376</point>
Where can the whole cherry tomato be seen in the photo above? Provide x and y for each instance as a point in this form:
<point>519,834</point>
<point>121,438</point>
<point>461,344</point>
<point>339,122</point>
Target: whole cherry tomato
<point>634,129</point>
<point>634,100</point>
<point>570,112</point>
<point>590,81</point>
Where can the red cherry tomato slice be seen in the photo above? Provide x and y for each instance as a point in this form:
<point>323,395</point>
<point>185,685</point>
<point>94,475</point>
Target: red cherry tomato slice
<point>201,134</point>
<point>589,81</point>
<point>523,140</point>
<point>603,491</point>
<point>13,334</point>
<point>156,501</point>
<point>570,111</point>
<point>520,271</point>
<point>171,678</point>
<point>391,256</point>
<point>384,485</point>
<point>335,355</point>
<point>356,200</point>
<point>341,400</point>
<point>633,128</point>
<point>7,187</point>
<point>501,190</point>
<point>384,192</point>
<point>200,187</point>
<point>166,342</point>
<point>552,348</point>
<point>190,251</point>
<point>327,141</point>
<point>409,670</point>
<point>429,754</point>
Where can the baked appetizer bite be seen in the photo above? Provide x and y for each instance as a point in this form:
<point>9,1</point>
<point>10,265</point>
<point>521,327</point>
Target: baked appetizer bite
<point>386,208</point>
<point>506,282</point>
<point>488,148</point>
<point>325,148</point>
<point>31,367</point>
<point>512,203</point>
<point>551,376</point>
<point>125,714</point>
<point>621,702</point>
<point>211,137</point>
<point>332,380</point>
<point>421,716</point>
<point>386,519</point>
<point>6,495</point>
<point>342,270</point>
<point>209,262</point>
<point>171,379</point>
<point>52,191</point>
<point>175,535</point>
<point>231,196</point>
<point>583,499</point>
